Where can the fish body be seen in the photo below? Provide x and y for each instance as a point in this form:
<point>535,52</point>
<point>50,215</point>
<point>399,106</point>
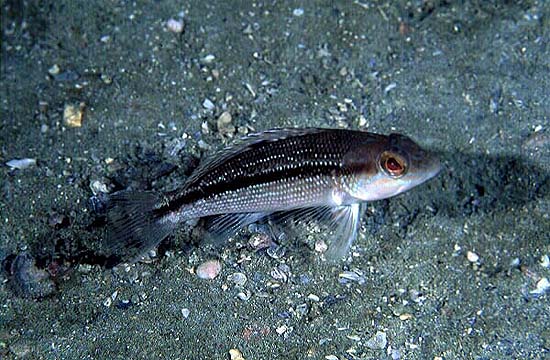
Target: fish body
<point>326,173</point>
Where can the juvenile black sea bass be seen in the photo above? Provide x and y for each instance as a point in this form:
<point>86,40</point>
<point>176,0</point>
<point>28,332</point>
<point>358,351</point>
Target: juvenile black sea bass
<point>309,173</point>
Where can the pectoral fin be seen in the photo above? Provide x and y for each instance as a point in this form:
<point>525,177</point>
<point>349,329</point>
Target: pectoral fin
<point>345,222</point>
<point>342,223</point>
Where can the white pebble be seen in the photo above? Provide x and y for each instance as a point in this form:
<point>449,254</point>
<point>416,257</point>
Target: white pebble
<point>21,163</point>
<point>208,104</point>
<point>244,295</point>
<point>54,70</point>
<point>209,269</point>
<point>208,59</point>
<point>175,26</point>
<point>472,257</point>
<point>281,329</point>
<point>389,88</point>
<point>185,312</point>
<point>545,261</point>
<point>298,12</point>
<point>543,285</point>
<point>313,297</point>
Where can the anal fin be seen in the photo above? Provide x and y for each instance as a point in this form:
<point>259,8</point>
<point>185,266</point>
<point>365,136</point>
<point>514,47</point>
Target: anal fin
<point>222,227</point>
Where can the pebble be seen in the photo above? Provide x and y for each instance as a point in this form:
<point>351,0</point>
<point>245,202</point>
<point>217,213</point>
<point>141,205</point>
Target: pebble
<point>472,257</point>
<point>244,295</point>
<point>175,26</point>
<point>224,123</point>
<point>54,70</point>
<point>21,164</point>
<point>378,341</point>
<point>545,261</point>
<point>208,104</point>
<point>107,79</point>
<point>73,114</point>
<point>281,329</point>
<point>109,300</point>
<point>235,354</point>
<point>543,285</point>
<point>208,270</point>
<point>298,12</point>
<point>208,59</point>
<point>124,304</point>
<point>313,297</point>
<point>185,312</point>
<point>389,88</point>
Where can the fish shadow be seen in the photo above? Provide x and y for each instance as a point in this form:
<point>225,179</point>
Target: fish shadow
<point>472,185</point>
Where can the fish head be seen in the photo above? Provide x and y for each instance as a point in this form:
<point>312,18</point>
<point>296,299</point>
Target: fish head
<point>388,166</point>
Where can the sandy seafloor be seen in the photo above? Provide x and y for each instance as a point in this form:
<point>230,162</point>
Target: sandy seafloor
<point>454,269</point>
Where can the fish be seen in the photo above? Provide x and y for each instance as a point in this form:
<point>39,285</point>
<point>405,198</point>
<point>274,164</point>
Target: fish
<point>306,174</point>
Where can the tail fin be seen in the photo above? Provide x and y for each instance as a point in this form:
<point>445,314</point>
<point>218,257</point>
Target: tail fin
<point>134,224</point>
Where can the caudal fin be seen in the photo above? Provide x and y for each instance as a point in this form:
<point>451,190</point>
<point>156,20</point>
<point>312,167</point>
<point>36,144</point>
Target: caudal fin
<point>134,224</point>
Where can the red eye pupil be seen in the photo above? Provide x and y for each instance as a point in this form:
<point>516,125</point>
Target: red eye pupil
<point>393,165</point>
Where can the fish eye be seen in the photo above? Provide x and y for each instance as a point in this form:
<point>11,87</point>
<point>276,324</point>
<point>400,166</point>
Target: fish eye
<point>393,164</point>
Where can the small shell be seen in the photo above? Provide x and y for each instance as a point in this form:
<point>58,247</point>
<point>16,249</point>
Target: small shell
<point>281,273</point>
<point>208,270</point>
<point>238,278</point>
<point>356,275</point>
<point>21,164</point>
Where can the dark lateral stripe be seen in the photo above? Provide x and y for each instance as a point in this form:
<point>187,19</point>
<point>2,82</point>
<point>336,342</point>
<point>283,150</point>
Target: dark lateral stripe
<point>247,181</point>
